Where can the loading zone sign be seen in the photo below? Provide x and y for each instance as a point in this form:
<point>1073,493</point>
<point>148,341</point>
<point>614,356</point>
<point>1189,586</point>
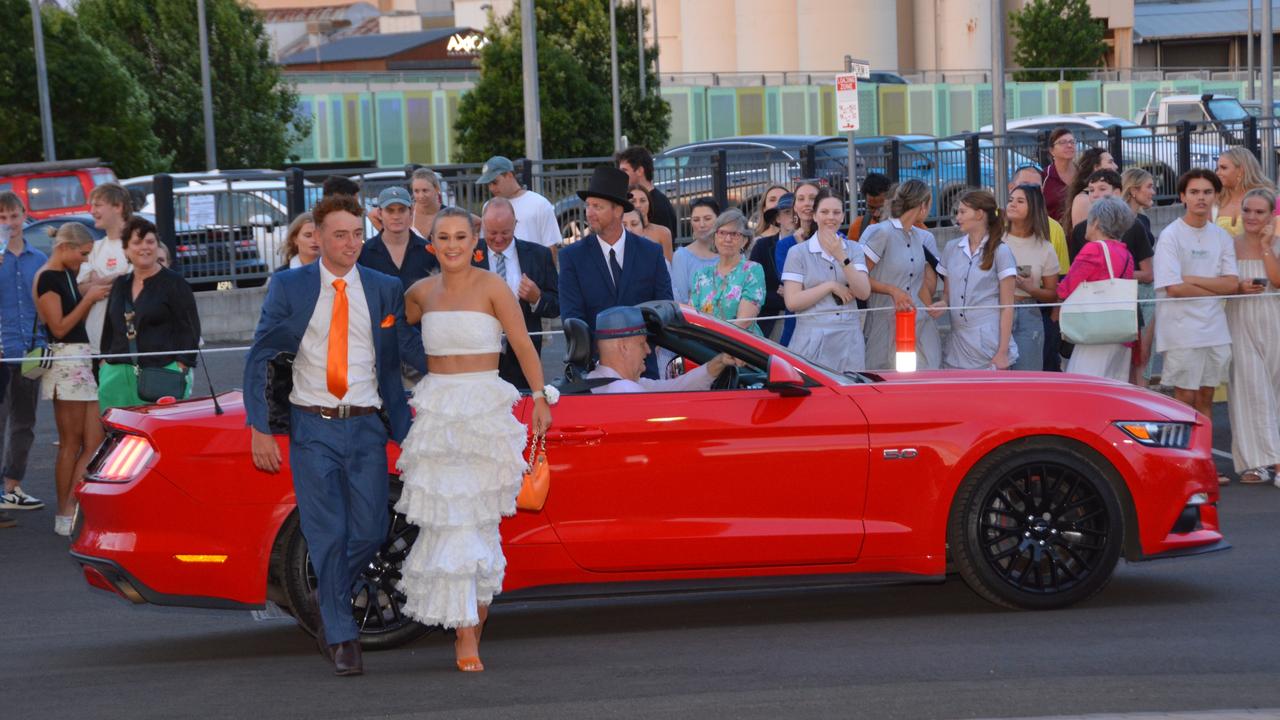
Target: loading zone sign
<point>847,101</point>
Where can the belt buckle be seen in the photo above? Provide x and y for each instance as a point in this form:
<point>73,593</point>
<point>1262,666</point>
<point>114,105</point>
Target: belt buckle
<point>341,412</point>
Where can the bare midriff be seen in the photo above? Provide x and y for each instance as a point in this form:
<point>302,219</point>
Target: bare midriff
<point>454,364</point>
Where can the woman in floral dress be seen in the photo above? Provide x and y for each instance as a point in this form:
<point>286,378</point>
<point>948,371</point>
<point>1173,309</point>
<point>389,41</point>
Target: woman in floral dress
<point>733,288</point>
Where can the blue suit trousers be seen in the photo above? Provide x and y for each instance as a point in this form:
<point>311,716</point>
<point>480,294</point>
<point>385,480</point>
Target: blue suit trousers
<point>340,478</point>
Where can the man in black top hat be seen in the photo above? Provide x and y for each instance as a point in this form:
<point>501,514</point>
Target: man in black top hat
<point>611,266</point>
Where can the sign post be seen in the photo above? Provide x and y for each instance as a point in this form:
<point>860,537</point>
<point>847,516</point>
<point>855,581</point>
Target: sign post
<point>847,119</point>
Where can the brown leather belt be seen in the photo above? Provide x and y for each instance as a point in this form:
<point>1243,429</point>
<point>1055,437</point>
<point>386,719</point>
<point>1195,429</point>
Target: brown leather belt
<point>338,413</point>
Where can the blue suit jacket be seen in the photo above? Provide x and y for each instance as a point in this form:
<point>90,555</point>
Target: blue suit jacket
<point>586,286</point>
<point>291,300</point>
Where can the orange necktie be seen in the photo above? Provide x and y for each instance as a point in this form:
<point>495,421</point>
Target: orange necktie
<point>336,362</point>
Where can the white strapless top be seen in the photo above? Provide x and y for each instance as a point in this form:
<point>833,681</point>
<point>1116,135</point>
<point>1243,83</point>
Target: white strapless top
<point>461,332</point>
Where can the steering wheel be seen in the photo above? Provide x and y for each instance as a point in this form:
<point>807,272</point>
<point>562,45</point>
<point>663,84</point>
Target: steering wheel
<point>727,379</point>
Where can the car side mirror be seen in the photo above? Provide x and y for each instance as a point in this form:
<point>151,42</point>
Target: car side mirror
<point>784,379</point>
<point>675,368</point>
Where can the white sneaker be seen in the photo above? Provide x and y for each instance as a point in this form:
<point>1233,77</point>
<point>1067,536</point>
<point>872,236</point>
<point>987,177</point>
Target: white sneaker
<point>62,524</point>
<point>16,499</point>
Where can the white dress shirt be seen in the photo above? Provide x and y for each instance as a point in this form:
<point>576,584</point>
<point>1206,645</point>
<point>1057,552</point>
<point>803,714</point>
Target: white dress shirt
<point>310,381</point>
<point>619,248</point>
<point>696,379</point>
<point>513,266</point>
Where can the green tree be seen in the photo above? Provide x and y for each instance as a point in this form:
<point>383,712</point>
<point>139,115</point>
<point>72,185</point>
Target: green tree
<point>573,83</point>
<point>254,118</point>
<point>1056,34</point>
<point>98,108</point>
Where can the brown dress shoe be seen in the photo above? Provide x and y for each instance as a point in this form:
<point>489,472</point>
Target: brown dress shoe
<point>347,658</point>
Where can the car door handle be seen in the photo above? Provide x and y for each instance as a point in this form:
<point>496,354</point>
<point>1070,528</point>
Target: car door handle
<point>575,434</point>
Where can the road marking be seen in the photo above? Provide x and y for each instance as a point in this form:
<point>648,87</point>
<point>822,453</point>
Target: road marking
<point>1201,715</point>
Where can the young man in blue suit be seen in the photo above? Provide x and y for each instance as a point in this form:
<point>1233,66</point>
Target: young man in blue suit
<point>529,271</point>
<point>611,266</point>
<point>339,401</point>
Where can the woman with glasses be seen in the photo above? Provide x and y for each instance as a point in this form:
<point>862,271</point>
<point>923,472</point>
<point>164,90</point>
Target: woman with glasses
<point>733,288</point>
<point>1062,170</point>
<point>821,279</point>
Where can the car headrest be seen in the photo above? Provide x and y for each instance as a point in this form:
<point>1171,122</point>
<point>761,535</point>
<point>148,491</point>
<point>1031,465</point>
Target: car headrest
<point>577,340</point>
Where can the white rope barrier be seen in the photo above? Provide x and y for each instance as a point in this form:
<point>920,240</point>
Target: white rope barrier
<point>851,309</point>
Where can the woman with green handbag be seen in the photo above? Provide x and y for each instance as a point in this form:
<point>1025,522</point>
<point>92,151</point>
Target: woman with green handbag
<point>69,382</point>
<point>149,310</point>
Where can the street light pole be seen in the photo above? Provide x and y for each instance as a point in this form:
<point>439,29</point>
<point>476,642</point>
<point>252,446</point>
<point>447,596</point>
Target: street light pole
<point>1268,92</point>
<point>640,42</point>
<point>997,102</point>
<point>210,154</point>
<point>657,60</point>
<point>532,106</point>
<point>42,85</point>
<point>1249,44</point>
<point>613,60</point>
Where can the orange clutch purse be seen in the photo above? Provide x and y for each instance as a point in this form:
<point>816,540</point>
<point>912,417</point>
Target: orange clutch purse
<point>537,476</point>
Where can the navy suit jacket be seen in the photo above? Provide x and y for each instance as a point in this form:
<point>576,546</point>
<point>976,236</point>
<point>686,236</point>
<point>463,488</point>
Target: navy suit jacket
<point>291,300</point>
<point>586,285</point>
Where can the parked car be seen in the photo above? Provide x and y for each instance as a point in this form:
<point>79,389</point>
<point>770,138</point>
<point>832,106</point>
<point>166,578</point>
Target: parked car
<point>204,255</point>
<point>55,188</point>
<point>783,474</point>
<point>881,77</point>
<point>1139,146</point>
<point>753,163</point>
<point>259,208</point>
<point>141,187</point>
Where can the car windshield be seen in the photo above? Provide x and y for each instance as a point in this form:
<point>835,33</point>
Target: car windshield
<point>725,328</point>
<point>1227,109</point>
<point>1128,129</point>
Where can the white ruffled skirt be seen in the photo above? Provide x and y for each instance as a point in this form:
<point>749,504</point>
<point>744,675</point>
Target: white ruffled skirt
<point>461,466</point>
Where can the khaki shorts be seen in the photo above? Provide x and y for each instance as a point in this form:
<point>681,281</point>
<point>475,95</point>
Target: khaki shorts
<point>1195,368</point>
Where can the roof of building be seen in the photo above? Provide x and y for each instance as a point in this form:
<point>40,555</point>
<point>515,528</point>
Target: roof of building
<point>316,14</point>
<point>1173,19</point>
<point>370,47</point>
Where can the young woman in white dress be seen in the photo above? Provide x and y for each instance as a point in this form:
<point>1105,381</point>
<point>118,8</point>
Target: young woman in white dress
<point>462,462</point>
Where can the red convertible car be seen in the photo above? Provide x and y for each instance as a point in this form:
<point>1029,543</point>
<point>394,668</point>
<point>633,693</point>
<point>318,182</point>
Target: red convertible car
<point>783,473</point>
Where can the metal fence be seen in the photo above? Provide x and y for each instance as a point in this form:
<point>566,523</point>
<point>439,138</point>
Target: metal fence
<point>230,229</point>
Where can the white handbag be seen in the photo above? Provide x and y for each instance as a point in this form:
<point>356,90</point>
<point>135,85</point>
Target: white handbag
<point>1101,311</point>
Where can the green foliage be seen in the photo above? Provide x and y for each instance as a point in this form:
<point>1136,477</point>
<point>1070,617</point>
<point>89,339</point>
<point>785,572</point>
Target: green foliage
<point>574,85</point>
<point>254,112</point>
<point>1056,34</point>
<point>98,108</point>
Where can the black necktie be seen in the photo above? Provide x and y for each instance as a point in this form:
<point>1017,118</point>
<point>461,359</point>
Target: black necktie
<point>615,269</point>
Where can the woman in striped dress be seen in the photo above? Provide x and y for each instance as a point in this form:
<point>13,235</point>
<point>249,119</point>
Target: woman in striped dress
<point>1254,390</point>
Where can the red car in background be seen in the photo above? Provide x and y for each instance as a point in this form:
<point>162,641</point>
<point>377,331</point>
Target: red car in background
<point>783,473</point>
<point>54,188</point>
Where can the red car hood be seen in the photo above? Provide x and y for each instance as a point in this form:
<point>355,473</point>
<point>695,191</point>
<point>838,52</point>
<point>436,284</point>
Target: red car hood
<point>1029,384</point>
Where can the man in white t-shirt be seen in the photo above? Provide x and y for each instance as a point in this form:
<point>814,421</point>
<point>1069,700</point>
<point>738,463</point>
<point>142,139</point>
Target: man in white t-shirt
<point>1195,259</point>
<point>535,216</point>
<point>111,209</point>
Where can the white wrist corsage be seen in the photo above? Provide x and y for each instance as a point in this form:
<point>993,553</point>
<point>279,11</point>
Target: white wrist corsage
<point>549,392</point>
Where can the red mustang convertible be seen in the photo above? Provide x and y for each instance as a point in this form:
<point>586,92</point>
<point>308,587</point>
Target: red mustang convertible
<point>783,473</point>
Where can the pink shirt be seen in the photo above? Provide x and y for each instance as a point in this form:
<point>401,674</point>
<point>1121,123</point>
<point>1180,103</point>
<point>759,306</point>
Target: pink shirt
<point>1090,265</point>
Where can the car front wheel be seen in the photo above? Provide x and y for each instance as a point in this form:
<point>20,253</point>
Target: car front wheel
<point>376,603</point>
<point>1036,525</point>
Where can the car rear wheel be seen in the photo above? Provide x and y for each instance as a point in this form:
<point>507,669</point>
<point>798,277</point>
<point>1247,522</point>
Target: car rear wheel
<point>376,603</point>
<point>1036,525</point>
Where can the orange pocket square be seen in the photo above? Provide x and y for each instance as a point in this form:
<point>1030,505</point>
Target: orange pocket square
<point>389,321</point>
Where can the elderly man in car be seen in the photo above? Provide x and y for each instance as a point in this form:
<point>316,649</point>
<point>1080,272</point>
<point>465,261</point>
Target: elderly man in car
<point>623,344</point>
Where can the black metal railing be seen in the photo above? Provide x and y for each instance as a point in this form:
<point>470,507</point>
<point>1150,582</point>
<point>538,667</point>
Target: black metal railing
<point>229,229</point>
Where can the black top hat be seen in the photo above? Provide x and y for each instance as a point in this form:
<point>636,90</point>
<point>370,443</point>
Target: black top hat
<point>611,184</point>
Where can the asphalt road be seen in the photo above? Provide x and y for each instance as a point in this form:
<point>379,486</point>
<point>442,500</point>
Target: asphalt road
<point>1192,634</point>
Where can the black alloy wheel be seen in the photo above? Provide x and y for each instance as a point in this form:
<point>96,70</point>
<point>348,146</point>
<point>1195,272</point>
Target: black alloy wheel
<point>376,603</point>
<point>1036,528</point>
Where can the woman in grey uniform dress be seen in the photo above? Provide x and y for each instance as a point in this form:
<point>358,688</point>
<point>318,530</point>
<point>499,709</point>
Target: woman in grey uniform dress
<point>901,278</point>
<point>977,270</point>
<point>822,274</point>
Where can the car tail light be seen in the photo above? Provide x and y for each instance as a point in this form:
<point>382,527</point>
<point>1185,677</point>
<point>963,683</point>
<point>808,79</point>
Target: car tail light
<point>123,461</point>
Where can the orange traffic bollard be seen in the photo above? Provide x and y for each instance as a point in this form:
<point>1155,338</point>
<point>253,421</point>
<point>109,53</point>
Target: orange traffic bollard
<point>906,333</point>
